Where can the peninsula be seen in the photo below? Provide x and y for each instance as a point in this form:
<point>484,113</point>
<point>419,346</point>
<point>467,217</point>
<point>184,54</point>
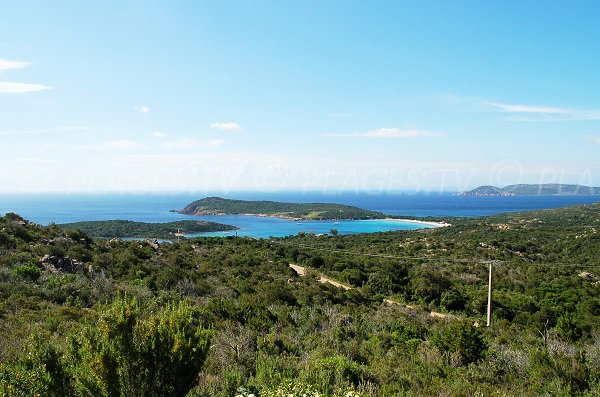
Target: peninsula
<point>547,189</point>
<point>129,229</point>
<point>293,211</point>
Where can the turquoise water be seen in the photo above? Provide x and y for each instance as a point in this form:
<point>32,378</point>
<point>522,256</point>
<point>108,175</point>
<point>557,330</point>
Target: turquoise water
<point>253,226</point>
<point>63,208</point>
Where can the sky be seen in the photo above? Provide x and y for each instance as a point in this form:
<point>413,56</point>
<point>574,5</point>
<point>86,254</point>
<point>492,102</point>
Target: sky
<point>186,96</point>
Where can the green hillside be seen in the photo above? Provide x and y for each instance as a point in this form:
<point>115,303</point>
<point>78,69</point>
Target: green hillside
<point>310,211</point>
<point>121,228</point>
<point>228,316</point>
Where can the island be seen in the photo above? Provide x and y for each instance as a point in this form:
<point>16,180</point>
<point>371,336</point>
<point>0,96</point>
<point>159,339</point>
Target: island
<point>130,229</point>
<point>274,209</point>
<point>546,189</point>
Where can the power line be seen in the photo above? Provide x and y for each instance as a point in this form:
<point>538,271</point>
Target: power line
<point>490,264</point>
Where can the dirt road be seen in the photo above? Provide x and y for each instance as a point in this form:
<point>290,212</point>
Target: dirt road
<point>301,271</point>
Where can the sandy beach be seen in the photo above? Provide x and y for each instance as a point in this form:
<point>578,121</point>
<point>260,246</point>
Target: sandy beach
<point>428,223</point>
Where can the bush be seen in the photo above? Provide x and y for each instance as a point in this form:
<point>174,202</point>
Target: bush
<point>463,339</point>
<point>327,374</point>
<point>568,328</point>
<point>133,351</point>
<point>18,381</point>
<point>292,388</point>
<point>29,271</point>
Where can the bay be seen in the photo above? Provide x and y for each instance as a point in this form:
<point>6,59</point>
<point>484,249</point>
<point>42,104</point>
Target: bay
<point>155,207</point>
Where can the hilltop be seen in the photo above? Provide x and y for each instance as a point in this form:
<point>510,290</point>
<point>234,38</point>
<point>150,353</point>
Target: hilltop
<point>486,191</point>
<point>548,189</point>
<point>295,211</point>
<point>121,228</point>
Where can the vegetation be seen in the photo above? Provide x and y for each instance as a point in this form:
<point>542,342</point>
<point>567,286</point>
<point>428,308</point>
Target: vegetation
<point>168,230</point>
<point>228,317</point>
<point>300,211</point>
<point>548,189</point>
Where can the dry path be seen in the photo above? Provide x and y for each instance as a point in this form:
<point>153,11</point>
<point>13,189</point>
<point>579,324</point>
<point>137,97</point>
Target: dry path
<point>413,307</point>
<point>301,271</point>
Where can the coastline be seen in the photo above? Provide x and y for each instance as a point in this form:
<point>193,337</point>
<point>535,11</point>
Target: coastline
<point>276,216</point>
<point>428,223</point>
<point>300,219</point>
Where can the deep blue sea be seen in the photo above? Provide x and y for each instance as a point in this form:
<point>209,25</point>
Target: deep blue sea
<point>154,207</point>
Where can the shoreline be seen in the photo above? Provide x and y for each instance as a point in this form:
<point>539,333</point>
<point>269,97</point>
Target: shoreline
<point>429,223</point>
<point>297,219</point>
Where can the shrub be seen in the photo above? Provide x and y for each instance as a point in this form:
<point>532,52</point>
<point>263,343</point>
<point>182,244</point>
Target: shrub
<point>18,381</point>
<point>29,271</point>
<point>463,339</point>
<point>136,352</point>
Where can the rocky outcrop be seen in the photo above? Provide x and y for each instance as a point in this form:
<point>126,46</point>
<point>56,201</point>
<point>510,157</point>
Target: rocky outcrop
<point>56,264</point>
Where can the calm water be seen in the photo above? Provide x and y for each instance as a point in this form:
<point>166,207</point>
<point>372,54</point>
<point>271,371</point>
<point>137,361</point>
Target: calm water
<point>47,208</point>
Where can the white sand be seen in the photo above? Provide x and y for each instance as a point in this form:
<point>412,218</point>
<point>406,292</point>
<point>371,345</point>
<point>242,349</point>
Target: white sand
<point>428,223</point>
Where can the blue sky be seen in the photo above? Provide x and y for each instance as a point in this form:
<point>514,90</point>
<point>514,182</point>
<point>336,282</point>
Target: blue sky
<point>299,95</point>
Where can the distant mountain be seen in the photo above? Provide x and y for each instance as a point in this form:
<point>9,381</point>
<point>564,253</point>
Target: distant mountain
<point>486,191</point>
<point>547,189</point>
<point>297,211</point>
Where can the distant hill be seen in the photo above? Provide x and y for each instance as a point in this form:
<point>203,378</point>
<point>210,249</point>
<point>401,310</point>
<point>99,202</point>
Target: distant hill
<point>548,189</point>
<point>298,211</point>
<point>486,191</point>
<point>121,228</point>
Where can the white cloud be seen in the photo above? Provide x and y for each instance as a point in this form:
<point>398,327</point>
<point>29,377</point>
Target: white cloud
<point>389,133</point>
<point>227,126</point>
<point>6,64</point>
<point>157,134</point>
<point>505,107</point>
<point>141,109</point>
<point>21,88</point>
<point>543,113</point>
<point>9,87</point>
<point>188,143</point>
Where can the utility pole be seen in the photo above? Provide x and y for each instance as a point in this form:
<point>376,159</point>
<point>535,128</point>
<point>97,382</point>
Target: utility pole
<point>489,307</point>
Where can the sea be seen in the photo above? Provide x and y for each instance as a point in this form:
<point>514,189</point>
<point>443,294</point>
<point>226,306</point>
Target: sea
<point>45,209</point>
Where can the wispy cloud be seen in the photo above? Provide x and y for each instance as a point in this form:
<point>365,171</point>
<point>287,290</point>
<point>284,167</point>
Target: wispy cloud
<point>189,143</point>
<point>226,126</point>
<point>7,64</point>
<point>593,138</point>
<point>158,134</point>
<point>389,133</point>
<point>21,88</point>
<point>9,87</point>
<point>543,113</point>
<point>141,109</point>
